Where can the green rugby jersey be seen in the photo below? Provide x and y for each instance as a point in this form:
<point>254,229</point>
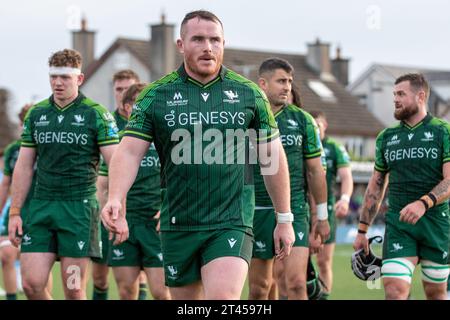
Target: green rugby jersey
<point>300,137</point>
<point>336,157</point>
<point>144,196</point>
<point>67,143</point>
<point>10,158</point>
<point>121,121</point>
<point>202,177</point>
<point>414,158</point>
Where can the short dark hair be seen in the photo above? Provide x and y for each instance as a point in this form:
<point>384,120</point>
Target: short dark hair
<point>201,15</point>
<point>296,99</point>
<point>130,95</point>
<point>125,74</point>
<point>417,81</point>
<point>318,114</point>
<point>272,64</point>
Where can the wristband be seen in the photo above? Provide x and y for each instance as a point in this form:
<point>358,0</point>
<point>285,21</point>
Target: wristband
<point>362,231</point>
<point>432,197</point>
<point>425,204</point>
<point>428,200</point>
<point>14,211</point>
<point>287,217</point>
<point>363,226</point>
<point>322,211</point>
<point>345,197</point>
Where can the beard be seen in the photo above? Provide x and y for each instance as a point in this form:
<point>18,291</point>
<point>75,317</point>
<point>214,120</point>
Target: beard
<point>192,64</point>
<point>405,113</point>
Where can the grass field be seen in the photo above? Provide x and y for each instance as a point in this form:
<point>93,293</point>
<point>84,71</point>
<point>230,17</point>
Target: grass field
<point>346,285</point>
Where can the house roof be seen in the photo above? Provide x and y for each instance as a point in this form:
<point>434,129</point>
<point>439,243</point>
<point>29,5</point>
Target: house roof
<point>345,115</point>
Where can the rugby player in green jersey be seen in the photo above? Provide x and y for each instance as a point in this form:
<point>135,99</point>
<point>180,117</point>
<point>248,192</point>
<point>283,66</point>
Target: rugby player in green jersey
<point>122,80</point>
<point>206,234</point>
<point>301,141</point>
<point>65,136</point>
<point>9,253</point>
<point>413,160</point>
<point>142,250</point>
<point>338,165</point>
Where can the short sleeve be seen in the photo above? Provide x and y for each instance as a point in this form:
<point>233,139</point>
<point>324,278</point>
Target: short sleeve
<point>380,161</point>
<point>342,157</point>
<point>312,148</point>
<point>446,144</point>
<point>140,124</point>
<point>264,122</point>
<point>107,131</point>
<point>27,133</point>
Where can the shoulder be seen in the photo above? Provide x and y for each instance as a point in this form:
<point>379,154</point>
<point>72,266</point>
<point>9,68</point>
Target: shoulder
<point>441,124</point>
<point>241,81</point>
<point>38,107</point>
<point>157,85</point>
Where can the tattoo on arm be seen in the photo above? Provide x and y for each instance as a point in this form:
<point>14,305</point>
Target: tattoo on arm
<point>442,191</point>
<point>373,197</point>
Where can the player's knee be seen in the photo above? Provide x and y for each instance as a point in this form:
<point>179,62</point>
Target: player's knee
<point>297,285</point>
<point>260,289</point>
<point>8,256</point>
<point>160,293</point>
<point>398,268</point>
<point>100,280</point>
<point>32,286</point>
<point>433,272</point>
<point>75,294</point>
<point>395,290</point>
<point>128,291</point>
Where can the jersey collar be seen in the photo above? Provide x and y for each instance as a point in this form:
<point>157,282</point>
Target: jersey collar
<point>183,75</point>
<point>425,120</point>
<point>77,100</point>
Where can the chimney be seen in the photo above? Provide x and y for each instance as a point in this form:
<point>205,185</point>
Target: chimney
<point>84,41</point>
<point>162,49</point>
<point>318,58</point>
<point>340,67</point>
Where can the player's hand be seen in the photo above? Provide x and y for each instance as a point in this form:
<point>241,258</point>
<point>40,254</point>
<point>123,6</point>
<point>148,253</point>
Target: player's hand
<point>341,209</point>
<point>412,212</point>
<point>284,238</point>
<point>15,232</point>
<point>315,246</point>
<point>322,230</point>
<point>121,231</point>
<point>110,213</point>
<point>361,242</point>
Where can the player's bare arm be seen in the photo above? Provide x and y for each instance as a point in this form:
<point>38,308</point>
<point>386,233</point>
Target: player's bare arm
<point>371,204</point>
<point>318,188</point>
<point>123,168</point>
<point>412,212</point>
<point>21,182</point>
<point>341,206</point>
<point>278,187</point>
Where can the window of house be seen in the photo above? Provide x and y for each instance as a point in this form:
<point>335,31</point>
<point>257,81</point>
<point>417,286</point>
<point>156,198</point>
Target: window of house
<point>322,90</point>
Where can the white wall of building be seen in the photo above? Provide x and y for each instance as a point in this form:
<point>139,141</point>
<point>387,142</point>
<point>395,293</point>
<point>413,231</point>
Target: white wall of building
<point>99,86</point>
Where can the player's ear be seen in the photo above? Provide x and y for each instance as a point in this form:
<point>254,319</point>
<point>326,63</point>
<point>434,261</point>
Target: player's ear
<point>80,79</point>
<point>180,46</point>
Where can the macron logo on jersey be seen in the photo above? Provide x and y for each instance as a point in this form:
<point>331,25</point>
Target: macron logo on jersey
<point>81,244</point>
<point>60,118</point>
<point>205,96</point>
<point>410,136</point>
<point>232,242</point>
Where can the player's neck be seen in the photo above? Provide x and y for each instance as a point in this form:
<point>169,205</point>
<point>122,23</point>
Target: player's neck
<point>276,109</point>
<point>62,103</point>
<point>415,119</point>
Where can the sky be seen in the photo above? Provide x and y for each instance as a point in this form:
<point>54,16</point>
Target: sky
<point>399,32</point>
